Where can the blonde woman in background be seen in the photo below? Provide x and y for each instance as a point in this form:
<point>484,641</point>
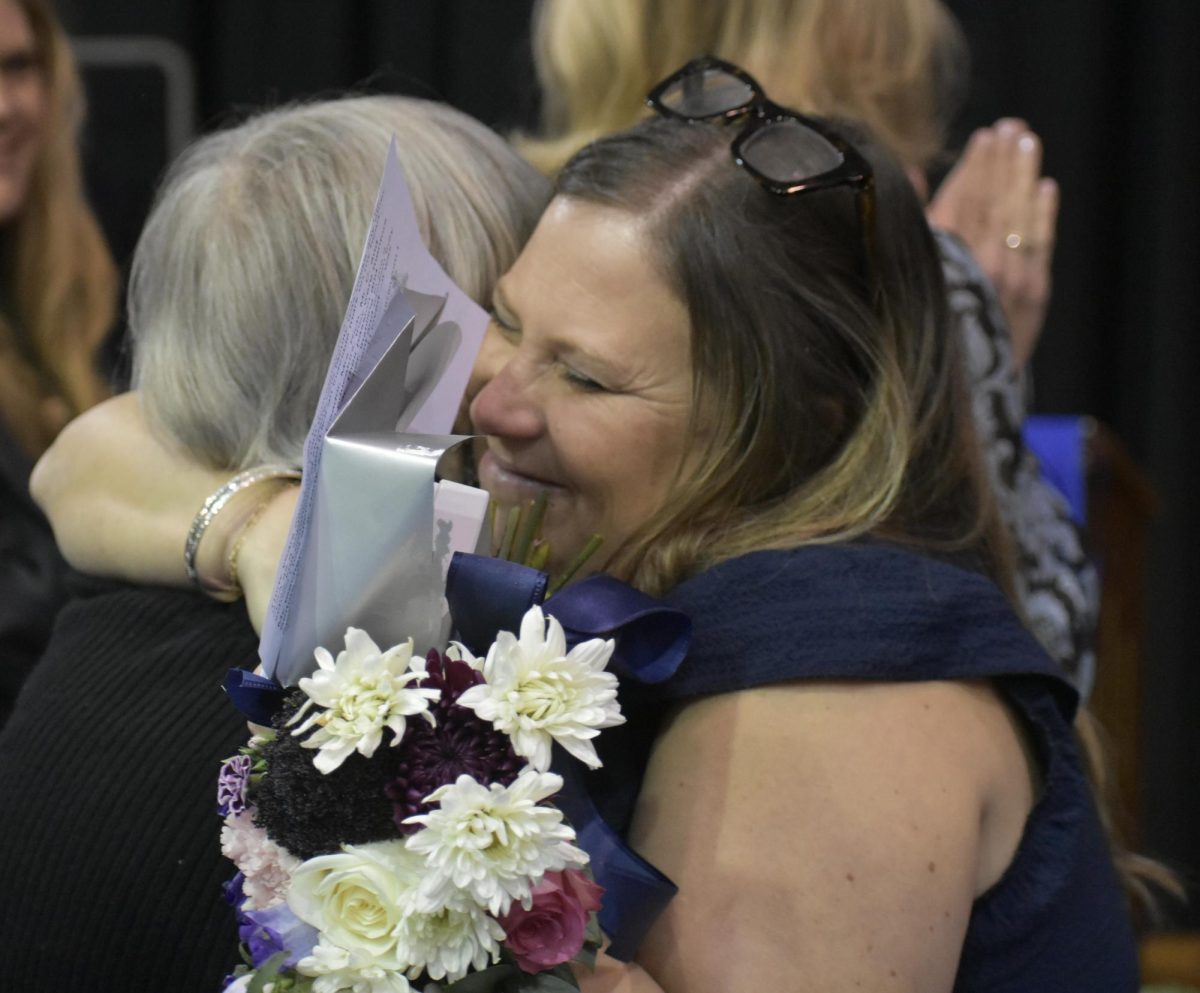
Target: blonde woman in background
<point>899,66</point>
<point>58,288</point>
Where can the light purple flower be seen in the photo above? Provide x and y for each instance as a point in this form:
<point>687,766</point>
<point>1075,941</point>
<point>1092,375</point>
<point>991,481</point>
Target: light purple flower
<point>231,785</point>
<point>276,929</point>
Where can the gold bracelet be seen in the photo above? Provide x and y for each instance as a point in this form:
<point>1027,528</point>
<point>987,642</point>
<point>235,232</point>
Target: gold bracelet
<point>213,506</point>
<point>231,564</point>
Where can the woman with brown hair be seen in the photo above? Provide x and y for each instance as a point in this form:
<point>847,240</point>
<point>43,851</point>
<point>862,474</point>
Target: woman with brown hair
<point>58,288</point>
<point>899,66</point>
<point>729,353</point>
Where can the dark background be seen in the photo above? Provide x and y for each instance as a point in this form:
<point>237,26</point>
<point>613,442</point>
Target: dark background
<point>1111,85</point>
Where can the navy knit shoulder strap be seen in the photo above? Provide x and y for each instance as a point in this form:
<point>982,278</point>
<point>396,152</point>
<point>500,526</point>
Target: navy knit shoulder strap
<point>851,611</point>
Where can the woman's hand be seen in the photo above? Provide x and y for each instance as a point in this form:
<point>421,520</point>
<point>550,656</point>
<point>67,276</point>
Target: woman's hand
<point>611,976</point>
<point>262,546</point>
<point>997,201</point>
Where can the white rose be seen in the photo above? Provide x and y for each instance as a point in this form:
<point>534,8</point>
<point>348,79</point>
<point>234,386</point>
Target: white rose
<point>358,897</point>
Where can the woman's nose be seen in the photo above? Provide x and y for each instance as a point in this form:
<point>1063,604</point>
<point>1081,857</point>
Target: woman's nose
<point>494,355</point>
<point>507,405</point>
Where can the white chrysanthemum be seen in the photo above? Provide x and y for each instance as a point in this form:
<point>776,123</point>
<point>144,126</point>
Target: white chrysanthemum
<point>537,692</point>
<point>449,942</point>
<point>358,695</point>
<point>357,898</point>
<point>338,970</point>
<point>491,844</point>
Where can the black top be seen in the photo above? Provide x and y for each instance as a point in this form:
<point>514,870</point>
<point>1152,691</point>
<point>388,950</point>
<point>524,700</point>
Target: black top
<point>109,838</point>
<point>31,574</point>
<point>1057,919</point>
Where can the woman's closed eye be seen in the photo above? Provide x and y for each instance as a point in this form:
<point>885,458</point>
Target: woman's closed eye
<point>505,324</point>
<point>582,382</point>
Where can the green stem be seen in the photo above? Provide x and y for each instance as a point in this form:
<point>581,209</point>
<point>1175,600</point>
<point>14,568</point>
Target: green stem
<point>531,526</point>
<point>594,542</point>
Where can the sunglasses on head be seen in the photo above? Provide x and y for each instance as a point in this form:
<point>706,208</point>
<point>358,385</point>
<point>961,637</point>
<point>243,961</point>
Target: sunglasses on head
<point>786,152</point>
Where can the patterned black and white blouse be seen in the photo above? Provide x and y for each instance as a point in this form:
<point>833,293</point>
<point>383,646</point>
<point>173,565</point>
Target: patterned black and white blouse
<point>1056,582</point>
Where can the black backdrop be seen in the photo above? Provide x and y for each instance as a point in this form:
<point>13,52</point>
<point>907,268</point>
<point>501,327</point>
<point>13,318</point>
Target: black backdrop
<point>1111,85</point>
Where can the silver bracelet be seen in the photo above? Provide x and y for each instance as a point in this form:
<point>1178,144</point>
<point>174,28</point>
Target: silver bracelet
<point>217,500</point>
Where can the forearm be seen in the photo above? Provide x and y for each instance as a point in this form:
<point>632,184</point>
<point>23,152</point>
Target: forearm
<point>120,502</point>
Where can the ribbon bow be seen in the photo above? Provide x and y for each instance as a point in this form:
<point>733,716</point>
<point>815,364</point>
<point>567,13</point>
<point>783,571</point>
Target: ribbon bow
<point>488,595</point>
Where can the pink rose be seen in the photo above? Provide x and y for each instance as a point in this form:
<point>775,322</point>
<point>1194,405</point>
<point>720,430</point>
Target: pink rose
<point>551,931</point>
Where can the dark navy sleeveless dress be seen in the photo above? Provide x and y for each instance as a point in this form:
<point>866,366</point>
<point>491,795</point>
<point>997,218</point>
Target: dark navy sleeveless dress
<point>1057,920</point>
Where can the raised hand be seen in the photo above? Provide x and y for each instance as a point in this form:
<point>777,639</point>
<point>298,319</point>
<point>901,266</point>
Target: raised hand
<point>997,201</point>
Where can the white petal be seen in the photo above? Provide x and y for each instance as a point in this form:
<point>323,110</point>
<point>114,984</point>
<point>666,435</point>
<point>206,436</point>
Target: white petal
<point>359,644</point>
<point>533,628</point>
<point>593,653</point>
<point>556,640</point>
<point>585,751</point>
<point>332,755</point>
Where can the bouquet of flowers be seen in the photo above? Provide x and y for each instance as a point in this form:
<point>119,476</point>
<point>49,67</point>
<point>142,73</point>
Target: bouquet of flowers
<point>396,829</point>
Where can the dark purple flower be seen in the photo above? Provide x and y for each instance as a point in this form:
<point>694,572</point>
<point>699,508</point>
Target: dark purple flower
<point>460,743</point>
<point>231,785</point>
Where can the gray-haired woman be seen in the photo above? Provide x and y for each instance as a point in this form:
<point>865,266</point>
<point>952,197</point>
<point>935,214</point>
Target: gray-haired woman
<point>238,288</point>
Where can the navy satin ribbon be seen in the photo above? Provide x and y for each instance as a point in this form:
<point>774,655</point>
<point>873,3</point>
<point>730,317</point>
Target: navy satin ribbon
<point>635,892</point>
<point>651,640</point>
<point>487,595</point>
<point>257,697</point>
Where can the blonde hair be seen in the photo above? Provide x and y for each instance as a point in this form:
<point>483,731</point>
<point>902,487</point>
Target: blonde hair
<point>59,277</point>
<point>896,65</point>
<point>246,264</point>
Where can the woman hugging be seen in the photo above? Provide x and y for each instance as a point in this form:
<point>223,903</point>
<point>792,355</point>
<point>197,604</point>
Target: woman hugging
<point>725,348</point>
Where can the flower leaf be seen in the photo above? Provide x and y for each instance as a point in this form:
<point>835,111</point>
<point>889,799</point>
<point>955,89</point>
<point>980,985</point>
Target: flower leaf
<point>486,980</point>
<point>507,978</point>
<point>593,936</point>
<point>560,979</point>
<point>267,972</point>
<point>586,956</point>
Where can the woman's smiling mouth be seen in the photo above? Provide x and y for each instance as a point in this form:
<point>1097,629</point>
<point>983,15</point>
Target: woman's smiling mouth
<point>507,484</point>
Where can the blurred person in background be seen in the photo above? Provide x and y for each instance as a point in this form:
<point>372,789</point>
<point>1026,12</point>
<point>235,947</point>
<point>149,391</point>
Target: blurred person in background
<point>58,290</point>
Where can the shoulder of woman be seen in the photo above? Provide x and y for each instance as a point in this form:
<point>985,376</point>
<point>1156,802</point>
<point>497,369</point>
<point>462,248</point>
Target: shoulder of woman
<point>943,732</point>
<point>848,826</point>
